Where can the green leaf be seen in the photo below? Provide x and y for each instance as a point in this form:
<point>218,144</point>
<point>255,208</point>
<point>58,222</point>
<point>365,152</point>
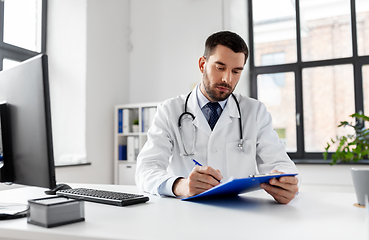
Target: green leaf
<point>357,150</point>
<point>344,123</point>
<point>349,155</point>
<point>351,147</point>
<point>327,147</point>
<point>360,116</point>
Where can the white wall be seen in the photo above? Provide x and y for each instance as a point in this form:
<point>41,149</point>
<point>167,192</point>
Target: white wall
<point>66,47</point>
<point>168,38</point>
<point>89,74</point>
<point>107,80</point>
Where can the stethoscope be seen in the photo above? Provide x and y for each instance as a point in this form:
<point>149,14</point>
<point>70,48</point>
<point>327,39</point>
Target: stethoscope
<point>191,116</point>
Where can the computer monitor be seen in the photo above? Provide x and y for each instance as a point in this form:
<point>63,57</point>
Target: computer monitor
<point>24,93</point>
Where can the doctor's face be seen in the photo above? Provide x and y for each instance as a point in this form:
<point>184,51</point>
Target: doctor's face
<point>221,73</point>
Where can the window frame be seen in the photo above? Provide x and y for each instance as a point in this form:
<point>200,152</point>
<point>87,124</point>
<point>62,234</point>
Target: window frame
<point>16,53</point>
<point>301,156</point>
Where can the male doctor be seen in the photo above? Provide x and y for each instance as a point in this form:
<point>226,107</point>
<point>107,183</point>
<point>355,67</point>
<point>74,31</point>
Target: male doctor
<point>165,165</point>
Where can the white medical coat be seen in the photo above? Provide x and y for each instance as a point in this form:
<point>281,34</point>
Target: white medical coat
<point>161,160</point>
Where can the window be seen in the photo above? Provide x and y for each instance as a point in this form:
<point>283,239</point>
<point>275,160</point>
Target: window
<point>328,99</point>
<point>280,102</point>
<point>362,26</point>
<point>23,30</point>
<point>309,64</point>
<point>274,31</point>
<point>325,29</point>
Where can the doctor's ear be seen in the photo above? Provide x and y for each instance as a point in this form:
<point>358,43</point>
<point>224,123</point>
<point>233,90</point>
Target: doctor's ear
<point>202,61</point>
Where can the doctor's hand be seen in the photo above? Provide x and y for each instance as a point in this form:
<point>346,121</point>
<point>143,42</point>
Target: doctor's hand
<point>200,179</point>
<point>283,190</point>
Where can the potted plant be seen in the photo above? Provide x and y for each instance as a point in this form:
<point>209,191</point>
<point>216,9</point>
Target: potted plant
<point>135,127</point>
<point>352,148</point>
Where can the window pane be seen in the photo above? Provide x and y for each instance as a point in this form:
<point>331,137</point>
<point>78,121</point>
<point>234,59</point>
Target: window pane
<point>328,99</point>
<point>274,23</point>
<point>362,21</point>
<point>325,29</point>
<point>7,63</point>
<point>277,92</point>
<point>22,23</point>
<point>366,91</point>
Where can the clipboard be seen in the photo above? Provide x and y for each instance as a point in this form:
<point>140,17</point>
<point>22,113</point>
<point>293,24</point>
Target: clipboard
<point>235,186</point>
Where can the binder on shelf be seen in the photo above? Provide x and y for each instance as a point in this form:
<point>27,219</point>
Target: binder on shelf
<point>120,120</point>
<point>143,120</point>
<point>148,114</point>
<point>132,148</point>
<point>122,152</point>
<point>137,150</point>
<point>126,120</point>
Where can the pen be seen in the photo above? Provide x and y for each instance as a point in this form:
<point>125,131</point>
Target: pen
<point>196,162</point>
<point>199,164</point>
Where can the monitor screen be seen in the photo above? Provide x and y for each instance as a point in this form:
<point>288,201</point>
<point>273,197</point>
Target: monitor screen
<point>25,89</point>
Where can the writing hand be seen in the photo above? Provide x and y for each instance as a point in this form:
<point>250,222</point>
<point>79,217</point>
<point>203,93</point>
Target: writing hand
<point>200,179</point>
<point>283,190</point>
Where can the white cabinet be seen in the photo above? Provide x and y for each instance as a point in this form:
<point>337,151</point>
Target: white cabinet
<point>126,173</point>
<point>130,134</point>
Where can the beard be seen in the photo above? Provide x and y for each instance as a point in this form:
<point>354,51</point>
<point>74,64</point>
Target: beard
<point>212,92</point>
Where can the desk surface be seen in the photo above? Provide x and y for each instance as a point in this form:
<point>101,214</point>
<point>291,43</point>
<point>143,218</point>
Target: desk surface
<point>311,215</point>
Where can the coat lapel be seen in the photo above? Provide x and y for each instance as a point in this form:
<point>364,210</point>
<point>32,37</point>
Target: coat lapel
<point>230,111</point>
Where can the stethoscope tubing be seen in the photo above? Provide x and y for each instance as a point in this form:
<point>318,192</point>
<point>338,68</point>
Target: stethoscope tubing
<point>240,145</point>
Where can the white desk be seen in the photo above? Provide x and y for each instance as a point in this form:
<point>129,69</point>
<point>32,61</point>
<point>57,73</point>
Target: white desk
<point>311,215</point>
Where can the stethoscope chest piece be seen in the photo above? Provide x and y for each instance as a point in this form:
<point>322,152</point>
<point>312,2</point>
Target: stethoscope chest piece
<point>240,145</point>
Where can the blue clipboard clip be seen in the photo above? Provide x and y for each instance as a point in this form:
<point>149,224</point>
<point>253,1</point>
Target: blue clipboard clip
<point>264,175</point>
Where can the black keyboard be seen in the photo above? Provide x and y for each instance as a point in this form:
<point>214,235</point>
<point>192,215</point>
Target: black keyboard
<point>103,196</point>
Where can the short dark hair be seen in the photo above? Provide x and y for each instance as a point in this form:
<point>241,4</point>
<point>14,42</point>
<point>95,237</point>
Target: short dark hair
<point>228,39</point>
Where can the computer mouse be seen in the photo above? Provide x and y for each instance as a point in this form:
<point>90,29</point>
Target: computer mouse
<point>60,186</point>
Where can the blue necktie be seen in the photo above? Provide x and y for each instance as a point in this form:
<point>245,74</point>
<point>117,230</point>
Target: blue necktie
<point>214,113</point>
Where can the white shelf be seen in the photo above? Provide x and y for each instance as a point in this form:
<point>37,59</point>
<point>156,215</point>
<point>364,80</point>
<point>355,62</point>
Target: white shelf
<point>124,116</point>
